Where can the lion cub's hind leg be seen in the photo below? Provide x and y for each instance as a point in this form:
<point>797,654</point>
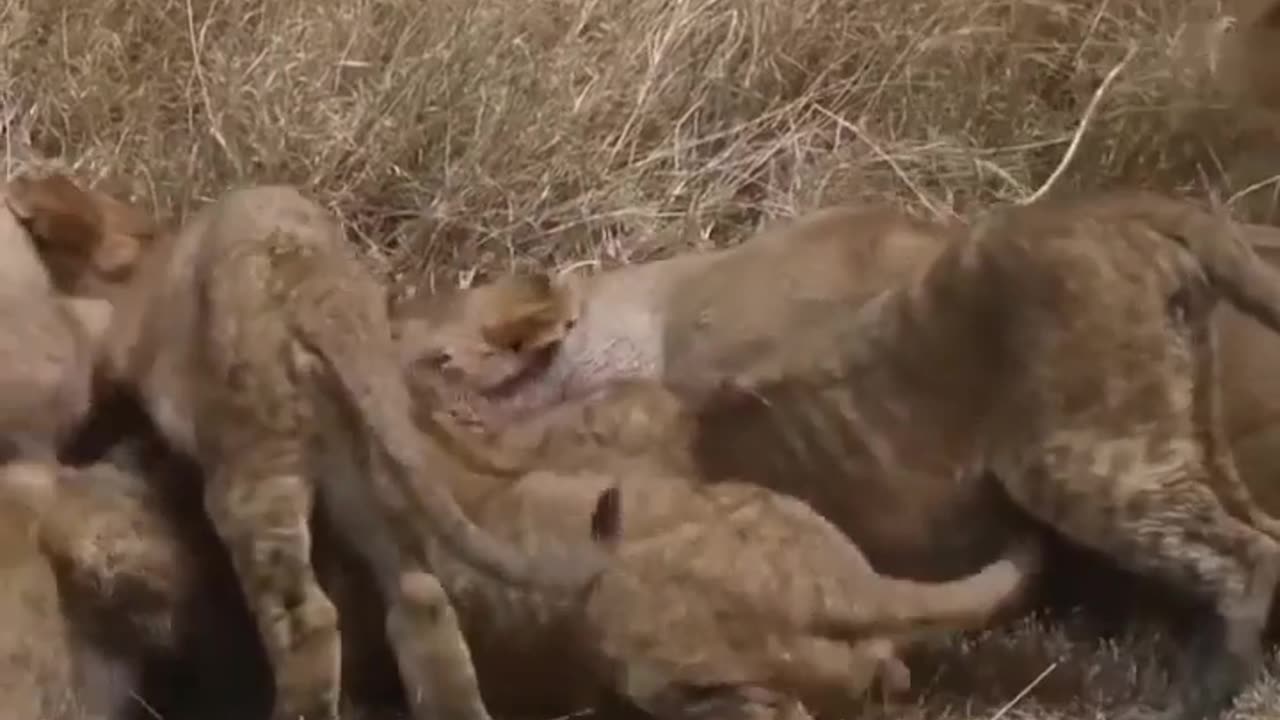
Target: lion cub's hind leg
<point>259,501</point>
<point>431,651</point>
<point>722,702</point>
<point>834,676</point>
<point>1207,411</point>
<point>1147,505</point>
<point>422,629</point>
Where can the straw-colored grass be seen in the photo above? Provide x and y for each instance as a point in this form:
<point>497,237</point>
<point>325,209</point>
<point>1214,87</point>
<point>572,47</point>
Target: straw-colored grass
<point>457,135</point>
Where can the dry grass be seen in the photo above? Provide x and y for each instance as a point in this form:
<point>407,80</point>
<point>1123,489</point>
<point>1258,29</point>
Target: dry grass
<point>1032,670</point>
<point>1062,671</point>
<point>463,134</point>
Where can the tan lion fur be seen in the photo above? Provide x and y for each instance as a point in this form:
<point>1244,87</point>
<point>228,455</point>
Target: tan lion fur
<point>36,647</point>
<point>1248,55</point>
<point>1251,408</point>
<point>260,346</point>
<point>637,321</point>
<point>728,585</point>
<point>729,593</point>
<point>48,342</point>
<point>1251,392</point>
<point>91,241</point>
<point>93,583</point>
<point>1078,371</point>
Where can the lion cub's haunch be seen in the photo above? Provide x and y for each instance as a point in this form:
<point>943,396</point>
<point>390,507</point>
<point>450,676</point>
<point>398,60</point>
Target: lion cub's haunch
<point>725,597</point>
<point>260,345</point>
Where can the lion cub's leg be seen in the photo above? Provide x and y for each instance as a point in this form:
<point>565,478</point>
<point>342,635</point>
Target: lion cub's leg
<point>422,628</point>
<point>824,665</point>
<point>724,702</point>
<point>1224,473</point>
<point>1144,501</point>
<point>874,658</point>
<point>260,501</point>
<point>434,659</point>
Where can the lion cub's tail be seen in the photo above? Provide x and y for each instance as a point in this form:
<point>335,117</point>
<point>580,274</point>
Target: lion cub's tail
<point>882,605</point>
<point>378,395</point>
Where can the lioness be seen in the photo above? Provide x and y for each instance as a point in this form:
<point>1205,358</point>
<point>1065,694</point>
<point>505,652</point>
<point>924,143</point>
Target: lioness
<point>260,345</point>
<point>641,320</point>
<point>1079,370</point>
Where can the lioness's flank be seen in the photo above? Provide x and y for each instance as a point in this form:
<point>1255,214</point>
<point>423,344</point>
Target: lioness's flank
<point>1062,357</point>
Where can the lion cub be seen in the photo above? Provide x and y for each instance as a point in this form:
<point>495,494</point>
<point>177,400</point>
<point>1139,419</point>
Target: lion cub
<point>458,349</point>
<point>684,547</point>
<point>487,335</point>
<point>260,345</point>
<point>726,595</point>
<point>1080,374</point>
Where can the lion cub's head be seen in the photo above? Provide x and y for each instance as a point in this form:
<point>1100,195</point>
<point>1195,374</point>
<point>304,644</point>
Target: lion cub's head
<point>486,337</point>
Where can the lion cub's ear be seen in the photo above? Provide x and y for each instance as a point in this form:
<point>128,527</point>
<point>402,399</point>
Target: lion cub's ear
<point>56,210</point>
<point>529,312</point>
<point>81,234</point>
